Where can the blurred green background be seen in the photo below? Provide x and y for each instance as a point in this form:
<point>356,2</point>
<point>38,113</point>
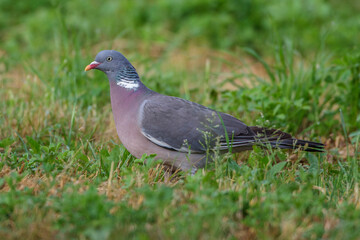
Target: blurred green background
<point>259,24</point>
<point>310,49</point>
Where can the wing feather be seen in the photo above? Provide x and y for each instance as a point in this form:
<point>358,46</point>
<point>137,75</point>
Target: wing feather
<point>181,125</point>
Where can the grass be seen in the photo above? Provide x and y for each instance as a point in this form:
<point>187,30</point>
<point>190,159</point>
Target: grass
<point>65,175</point>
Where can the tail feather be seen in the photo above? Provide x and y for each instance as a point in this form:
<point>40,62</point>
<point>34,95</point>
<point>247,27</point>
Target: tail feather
<point>276,139</point>
<point>294,143</point>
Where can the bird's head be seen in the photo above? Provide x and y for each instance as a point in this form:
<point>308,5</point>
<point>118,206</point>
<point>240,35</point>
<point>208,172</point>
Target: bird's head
<point>117,68</point>
<point>108,61</point>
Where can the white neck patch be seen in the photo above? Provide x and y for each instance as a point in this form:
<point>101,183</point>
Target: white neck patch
<point>128,78</point>
<point>130,85</point>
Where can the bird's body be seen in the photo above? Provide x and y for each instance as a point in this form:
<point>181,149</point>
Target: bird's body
<point>179,132</point>
<point>129,128</point>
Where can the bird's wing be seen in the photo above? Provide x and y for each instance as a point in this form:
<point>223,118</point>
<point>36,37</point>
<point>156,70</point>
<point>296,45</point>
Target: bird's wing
<point>181,125</point>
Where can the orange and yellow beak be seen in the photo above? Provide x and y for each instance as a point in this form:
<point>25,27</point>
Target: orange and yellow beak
<point>92,65</point>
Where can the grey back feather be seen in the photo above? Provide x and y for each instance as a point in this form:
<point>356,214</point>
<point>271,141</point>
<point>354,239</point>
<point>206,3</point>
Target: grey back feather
<point>181,125</point>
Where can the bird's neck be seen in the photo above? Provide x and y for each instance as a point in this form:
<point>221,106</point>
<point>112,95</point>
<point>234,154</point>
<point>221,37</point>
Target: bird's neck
<point>125,104</point>
<point>126,90</point>
<point>126,78</point>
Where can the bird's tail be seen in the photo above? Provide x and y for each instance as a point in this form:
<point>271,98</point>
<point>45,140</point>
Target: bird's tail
<point>282,140</point>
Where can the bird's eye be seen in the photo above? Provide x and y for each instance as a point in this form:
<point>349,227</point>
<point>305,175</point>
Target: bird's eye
<point>109,59</point>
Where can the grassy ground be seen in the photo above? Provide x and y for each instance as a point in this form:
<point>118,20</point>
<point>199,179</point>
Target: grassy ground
<point>294,66</point>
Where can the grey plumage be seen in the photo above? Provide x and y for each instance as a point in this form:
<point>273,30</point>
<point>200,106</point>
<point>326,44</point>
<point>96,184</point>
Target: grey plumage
<point>183,125</point>
<point>179,131</point>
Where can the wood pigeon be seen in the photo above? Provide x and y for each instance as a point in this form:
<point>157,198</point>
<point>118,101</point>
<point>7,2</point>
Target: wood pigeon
<point>183,134</point>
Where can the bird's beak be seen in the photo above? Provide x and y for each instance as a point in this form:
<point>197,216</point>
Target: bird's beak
<point>92,65</point>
